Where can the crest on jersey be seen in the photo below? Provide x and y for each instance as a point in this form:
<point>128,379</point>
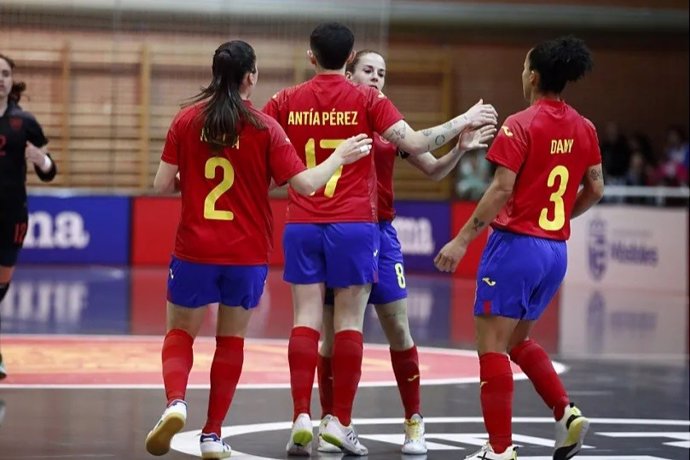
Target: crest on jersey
<point>16,123</point>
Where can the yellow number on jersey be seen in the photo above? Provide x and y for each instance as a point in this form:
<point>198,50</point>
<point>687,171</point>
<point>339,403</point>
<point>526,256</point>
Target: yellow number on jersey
<point>310,153</point>
<point>558,221</point>
<point>212,164</point>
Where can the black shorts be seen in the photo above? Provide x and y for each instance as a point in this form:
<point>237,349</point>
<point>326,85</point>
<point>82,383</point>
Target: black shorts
<point>14,217</point>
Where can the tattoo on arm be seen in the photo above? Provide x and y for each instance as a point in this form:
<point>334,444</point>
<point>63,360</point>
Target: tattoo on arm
<point>400,133</point>
<point>595,175</point>
<point>477,224</point>
<point>448,125</point>
<point>426,132</point>
<point>440,140</point>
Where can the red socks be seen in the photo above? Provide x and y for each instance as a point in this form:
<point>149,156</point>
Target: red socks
<point>534,362</point>
<point>325,376</point>
<point>347,353</point>
<point>406,370</point>
<point>225,373</point>
<point>303,350</point>
<point>496,390</point>
<point>177,357</point>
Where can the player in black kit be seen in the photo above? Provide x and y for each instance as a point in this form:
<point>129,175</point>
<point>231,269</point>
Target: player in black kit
<point>21,140</point>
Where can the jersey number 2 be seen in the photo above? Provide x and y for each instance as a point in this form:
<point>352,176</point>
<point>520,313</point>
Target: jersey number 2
<point>561,173</point>
<point>310,153</point>
<point>210,169</point>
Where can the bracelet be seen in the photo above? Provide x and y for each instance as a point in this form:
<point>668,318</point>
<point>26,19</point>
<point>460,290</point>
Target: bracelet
<point>47,163</point>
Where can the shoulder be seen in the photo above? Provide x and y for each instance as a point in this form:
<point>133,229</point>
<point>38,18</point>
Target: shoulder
<point>285,94</point>
<point>187,115</point>
<point>15,111</point>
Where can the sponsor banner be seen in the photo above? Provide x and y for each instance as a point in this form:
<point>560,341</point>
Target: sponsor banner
<point>630,247</point>
<point>69,300</point>
<point>423,228</point>
<point>77,229</point>
<point>154,224</point>
<point>461,212</point>
<point>623,322</point>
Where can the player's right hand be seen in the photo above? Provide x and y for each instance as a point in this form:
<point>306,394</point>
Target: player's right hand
<point>481,114</point>
<point>353,148</point>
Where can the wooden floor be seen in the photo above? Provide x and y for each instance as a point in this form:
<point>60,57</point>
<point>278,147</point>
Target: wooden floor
<point>82,345</point>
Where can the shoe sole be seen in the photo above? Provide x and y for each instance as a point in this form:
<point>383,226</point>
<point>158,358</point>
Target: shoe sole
<point>573,443</point>
<point>158,440</point>
<point>329,438</point>
<point>414,452</point>
<point>215,455</point>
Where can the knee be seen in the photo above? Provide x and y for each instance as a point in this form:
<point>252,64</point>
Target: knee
<point>516,351</point>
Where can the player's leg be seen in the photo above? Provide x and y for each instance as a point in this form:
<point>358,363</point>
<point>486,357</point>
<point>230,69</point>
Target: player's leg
<point>305,270</point>
<point>390,297</point>
<point>5,278</point>
<point>352,254</point>
<point>504,285</point>
<point>191,288</point>
<point>241,289</point>
<point>324,372</point>
<point>13,226</point>
<point>571,425</point>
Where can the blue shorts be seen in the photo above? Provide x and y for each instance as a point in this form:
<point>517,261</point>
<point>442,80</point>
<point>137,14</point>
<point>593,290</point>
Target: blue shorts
<point>518,275</point>
<point>391,285</point>
<point>192,284</point>
<point>339,255</point>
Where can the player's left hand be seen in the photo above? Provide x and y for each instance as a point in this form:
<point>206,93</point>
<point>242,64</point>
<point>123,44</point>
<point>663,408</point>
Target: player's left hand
<point>34,154</point>
<point>450,255</point>
<point>478,138</point>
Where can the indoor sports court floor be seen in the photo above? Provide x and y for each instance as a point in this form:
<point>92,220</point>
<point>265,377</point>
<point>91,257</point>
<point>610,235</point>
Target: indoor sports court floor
<point>82,348</point>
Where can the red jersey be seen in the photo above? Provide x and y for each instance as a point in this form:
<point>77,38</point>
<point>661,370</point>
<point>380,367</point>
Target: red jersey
<point>549,146</point>
<point>385,154</point>
<point>317,116</point>
<point>226,216</point>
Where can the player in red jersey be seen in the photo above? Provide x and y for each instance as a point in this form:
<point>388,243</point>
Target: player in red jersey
<point>21,139</point>
<point>389,294</point>
<point>331,238</point>
<point>542,154</point>
<point>227,153</point>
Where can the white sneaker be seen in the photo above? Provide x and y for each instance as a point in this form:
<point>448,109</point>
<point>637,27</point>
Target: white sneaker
<point>325,446</point>
<point>213,447</point>
<point>170,423</point>
<point>344,437</point>
<point>414,436</point>
<point>300,437</point>
<point>570,433</point>
<point>487,453</point>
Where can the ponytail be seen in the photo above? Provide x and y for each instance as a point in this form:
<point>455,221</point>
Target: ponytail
<point>224,111</point>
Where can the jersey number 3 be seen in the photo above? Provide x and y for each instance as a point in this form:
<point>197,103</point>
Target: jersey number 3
<point>561,174</point>
<point>210,171</point>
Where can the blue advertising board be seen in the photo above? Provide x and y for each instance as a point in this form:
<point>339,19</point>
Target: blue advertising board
<point>423,229</point>
<point>67,300</point>
<point>77,230</point>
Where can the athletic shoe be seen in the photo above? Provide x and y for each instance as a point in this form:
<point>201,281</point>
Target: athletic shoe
<point>344,437</point>
<point>212,446</point>
<point>570,433</point>
<point>325,446</point>
<point>414,436</point>
<point>487,453</point>
<point>300,437</point>
<point>170,423</point>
